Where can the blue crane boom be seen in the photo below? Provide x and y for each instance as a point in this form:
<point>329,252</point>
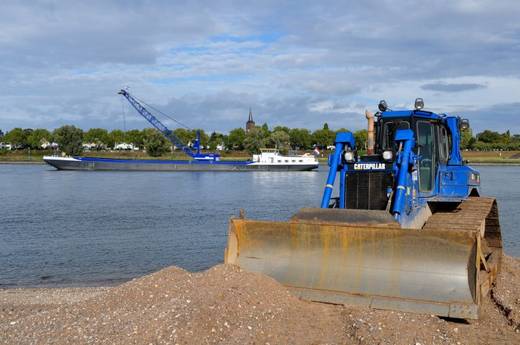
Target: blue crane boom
<point>168,134</point>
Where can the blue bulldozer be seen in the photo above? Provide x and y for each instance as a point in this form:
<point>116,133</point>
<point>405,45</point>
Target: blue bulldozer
<point>407,230</point>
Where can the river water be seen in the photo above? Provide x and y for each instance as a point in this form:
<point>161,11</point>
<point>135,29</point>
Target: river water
<point>91,228</point>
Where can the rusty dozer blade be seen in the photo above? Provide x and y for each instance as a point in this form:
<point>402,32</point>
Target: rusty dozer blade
<point>363,258</point>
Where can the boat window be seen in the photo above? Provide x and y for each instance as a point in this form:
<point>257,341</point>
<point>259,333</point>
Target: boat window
<point>426,149</point>
<point>279,161</point>
<point>286,161</point>
<point>301,160</point>
<point>390,127</point>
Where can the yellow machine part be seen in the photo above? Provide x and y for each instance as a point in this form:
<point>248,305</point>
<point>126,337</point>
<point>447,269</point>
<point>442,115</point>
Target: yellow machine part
<point>364,258</point>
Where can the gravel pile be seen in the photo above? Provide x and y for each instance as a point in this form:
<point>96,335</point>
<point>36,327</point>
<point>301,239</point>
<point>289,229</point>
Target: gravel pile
<point>506,294</point>
<point>220,306</point>
<point>390,327</point>
<point>498,323</point>
<point>225,305</point>
<point>18,303</point>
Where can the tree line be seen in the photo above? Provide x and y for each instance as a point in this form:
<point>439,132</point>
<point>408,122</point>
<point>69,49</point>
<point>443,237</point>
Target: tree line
<point>488,140</point>
<point>72,139</point>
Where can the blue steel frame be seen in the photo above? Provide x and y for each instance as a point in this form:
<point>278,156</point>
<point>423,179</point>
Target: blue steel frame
<point>454,181</point>
<point>168,134</point>
<point>343,140</point>
<point>404,161</point>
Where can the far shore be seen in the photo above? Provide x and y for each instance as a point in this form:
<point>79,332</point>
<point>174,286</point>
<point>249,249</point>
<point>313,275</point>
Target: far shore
<point>507,158</point>
<point>321,160</point>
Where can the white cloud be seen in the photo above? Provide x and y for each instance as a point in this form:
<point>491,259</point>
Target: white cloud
<point>296,65</point>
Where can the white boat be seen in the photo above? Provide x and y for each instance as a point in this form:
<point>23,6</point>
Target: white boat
<point>272,157</point>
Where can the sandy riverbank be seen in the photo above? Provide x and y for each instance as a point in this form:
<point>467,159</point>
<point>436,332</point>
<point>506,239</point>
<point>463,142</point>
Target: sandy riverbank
<point>225,305</point>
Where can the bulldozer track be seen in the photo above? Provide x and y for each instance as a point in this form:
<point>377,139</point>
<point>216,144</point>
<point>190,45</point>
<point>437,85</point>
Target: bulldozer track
<point>471,214</point>
<point>478,215</point>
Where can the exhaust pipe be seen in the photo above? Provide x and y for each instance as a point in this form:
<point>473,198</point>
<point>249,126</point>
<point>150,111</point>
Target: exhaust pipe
<point>370,136</point>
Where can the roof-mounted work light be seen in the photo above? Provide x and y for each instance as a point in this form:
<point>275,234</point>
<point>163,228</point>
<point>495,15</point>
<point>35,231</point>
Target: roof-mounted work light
<point>419,103</point>
<point>382,105</point>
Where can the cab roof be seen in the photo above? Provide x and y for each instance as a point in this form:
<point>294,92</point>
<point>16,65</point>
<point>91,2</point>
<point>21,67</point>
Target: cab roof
<point>415,113</point>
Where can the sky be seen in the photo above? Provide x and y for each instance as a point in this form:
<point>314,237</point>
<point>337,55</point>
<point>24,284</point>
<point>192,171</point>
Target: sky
<point>295,63</point>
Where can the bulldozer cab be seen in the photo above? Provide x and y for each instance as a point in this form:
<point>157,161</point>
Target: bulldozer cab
<point>432,147</point>
<point>435,170</point>
<point>427,146</point>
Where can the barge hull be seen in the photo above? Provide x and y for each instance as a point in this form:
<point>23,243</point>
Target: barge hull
<point>102,164</point>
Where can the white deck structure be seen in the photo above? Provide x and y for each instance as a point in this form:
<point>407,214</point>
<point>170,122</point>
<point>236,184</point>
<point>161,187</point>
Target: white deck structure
<point>273,157</point>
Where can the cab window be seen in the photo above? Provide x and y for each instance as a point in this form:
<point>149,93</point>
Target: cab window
<point>427,151</point>
<point>444,144</point>
<point>389,129</point>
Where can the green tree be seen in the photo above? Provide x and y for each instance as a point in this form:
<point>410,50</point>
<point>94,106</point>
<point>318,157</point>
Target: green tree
<point>323,137</point>
<point>225,140</point>
<point>361,139</point>
<point>215,139</point>
<point>69,139</point>
<point>488,136</point>
<point>300,138</point>
<point>17,137</point>
<point>466,139</point>
<point>38,137</point>
<point>281,128</point>
<point>281,140</point>
<point>204,138</point>
<point>184,135</point>
<point>471,143</point>
<point>98,136</point>
<point>116,136</point>
<point>27,132</point>
<point>155,143</point>
<point>265,130</point>
<point>136,137</point>
<point>254,140</point>
<point>236,139</point>
<point>506,137</point>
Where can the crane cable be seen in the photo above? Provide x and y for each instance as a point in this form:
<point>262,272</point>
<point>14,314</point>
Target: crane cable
<point>162,113</point>
<point>124,114</point>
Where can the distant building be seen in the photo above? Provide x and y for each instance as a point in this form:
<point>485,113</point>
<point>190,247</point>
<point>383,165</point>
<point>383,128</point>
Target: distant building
<point>125,147</point>
<point>94,146</point>
<point>250,124</point>
<point>6,146</point>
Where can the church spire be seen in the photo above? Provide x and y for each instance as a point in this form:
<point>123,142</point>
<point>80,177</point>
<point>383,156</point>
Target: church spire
<point>250,124</point>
